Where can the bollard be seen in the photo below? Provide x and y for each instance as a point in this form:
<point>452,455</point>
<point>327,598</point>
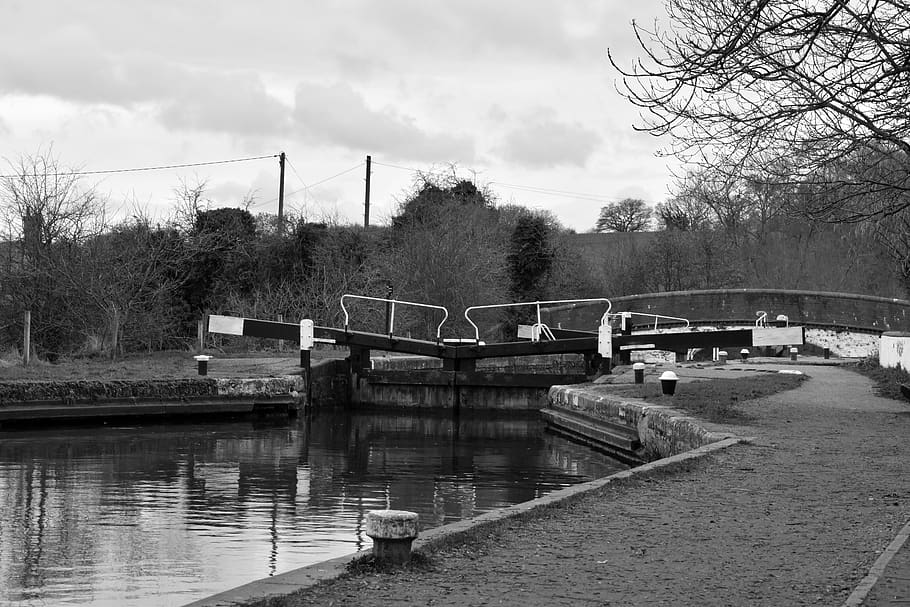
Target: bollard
<point>793,352</point>
<point>827,353</point>
<point>639,370</point>
<point>744,353</point>
<point>392,532</point>
<point>202,363</point>
<point>722,357</point>
<point>668,381</point>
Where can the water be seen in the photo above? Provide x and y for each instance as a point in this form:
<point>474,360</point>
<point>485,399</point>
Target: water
<point>167,514</point>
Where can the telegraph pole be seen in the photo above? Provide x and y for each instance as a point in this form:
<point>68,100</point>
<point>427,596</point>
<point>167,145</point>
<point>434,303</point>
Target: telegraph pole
<point>366,196</point>
<point>281,194</point>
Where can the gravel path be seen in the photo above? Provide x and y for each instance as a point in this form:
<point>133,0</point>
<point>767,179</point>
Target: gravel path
<point>795,518</point>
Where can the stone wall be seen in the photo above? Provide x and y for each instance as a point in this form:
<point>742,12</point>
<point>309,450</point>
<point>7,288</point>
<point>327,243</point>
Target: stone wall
<point>844,343</point>
<point>661,430</point>
<point>331,384</point>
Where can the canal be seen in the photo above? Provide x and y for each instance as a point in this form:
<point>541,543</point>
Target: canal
<point>166,514</point>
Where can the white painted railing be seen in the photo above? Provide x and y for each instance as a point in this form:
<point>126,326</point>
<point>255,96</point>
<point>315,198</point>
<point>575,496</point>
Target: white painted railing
<point>540,327</point>
<point>656,317</point>
<point>392,303</point>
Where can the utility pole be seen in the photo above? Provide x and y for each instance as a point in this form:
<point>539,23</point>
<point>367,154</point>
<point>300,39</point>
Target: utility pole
<point>366,196</point>
<point>281,194</point>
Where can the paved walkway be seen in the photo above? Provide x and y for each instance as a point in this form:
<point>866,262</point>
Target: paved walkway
<point>798,517</point>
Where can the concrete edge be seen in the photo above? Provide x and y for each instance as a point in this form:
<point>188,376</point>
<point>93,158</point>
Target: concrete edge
<point>308,576</point>
<point>435,536</point>
<point>877,570</point>
<point>284,583</point>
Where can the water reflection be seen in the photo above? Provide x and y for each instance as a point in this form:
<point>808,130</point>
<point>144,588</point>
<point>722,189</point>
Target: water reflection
<point>162,515</point>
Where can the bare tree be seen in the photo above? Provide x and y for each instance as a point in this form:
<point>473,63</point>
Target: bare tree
<point>684,212</point>
<point>627,215</point>
<point>747,205</point>
<point>190,199</point>
<point>801,92</point>
<point>44,202</point>
<point>48,210</point>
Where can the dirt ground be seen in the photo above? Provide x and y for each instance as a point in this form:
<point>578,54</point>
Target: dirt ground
<point>795,518</point>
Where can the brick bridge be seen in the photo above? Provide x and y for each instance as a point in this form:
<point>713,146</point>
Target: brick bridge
<point>851,311</point>
<point>848,324</point>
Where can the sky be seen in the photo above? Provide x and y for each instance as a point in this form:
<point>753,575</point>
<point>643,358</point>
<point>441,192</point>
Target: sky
<point>518,96</point>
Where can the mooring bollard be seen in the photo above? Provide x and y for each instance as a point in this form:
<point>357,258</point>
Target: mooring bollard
<point>392,532</point>
<point>668,381</point>
<point>202,363</point>
<point>639,370</point>
<point>744,353</point>
<point>793,353</point>
<point>722,357</point>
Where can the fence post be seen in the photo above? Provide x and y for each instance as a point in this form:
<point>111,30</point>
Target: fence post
<point>200,334</point>
<point>27,338</point>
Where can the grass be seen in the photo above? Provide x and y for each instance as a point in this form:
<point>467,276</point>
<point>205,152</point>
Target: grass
<point>716,400</point>
<point>156,365</point>
<point>887,381</point>
<point>146,366</point>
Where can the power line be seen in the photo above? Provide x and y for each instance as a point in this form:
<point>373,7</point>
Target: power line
<point>395,166</point>
<point>312,185</point>
<point>321,181</point>
<point>553,192</point>
<point>293,168</point>
<point>411,169</point>
<point>139,169</point>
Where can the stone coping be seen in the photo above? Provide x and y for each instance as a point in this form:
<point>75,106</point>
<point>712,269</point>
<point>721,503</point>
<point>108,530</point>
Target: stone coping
<point>662,431</point>
<point>73,391</point>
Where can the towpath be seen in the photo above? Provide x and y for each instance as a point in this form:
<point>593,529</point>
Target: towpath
<point>797,517</point>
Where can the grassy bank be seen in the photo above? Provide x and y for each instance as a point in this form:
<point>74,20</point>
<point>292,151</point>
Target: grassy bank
<point>159,365</point>
<point>887,381</point>
<point>716,400</point>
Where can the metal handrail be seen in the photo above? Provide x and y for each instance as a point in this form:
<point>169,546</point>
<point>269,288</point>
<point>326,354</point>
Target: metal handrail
<point>656,317</point>
<point>537,304</point>
<point>762,319</point>
<point>544,330</point>
<point>392,311</point>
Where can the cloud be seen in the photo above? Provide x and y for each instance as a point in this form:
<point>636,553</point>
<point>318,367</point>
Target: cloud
<point>70,63</point>
<point>542,141</point>
<point>230,103</point>
<point>338,115</point>
<point>474,30</point>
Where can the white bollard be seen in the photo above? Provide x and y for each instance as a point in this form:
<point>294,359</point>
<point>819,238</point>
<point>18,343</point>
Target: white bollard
<point>392,532</point>
<point>668,381</point>
<point>722,357</point>
<point>202,363</point>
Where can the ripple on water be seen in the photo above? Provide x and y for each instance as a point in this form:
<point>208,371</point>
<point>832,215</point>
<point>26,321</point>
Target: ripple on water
<point>162,515</point>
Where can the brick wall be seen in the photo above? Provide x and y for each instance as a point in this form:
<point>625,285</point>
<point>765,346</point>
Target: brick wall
<point>845,309</point>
